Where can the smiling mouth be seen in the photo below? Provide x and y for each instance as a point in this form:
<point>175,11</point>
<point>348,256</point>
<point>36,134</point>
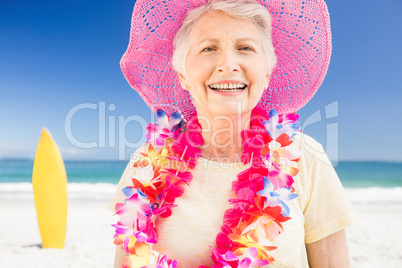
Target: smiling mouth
<point>235,87</point>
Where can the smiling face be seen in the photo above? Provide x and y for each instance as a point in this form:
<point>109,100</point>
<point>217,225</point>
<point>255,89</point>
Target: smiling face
<point>226,68</point>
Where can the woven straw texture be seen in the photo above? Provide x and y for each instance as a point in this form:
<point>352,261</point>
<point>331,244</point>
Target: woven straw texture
<point>301,36</point>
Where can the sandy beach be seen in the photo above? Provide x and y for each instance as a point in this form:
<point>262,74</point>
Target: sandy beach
<point>375,241</point>
<point>88,237</point>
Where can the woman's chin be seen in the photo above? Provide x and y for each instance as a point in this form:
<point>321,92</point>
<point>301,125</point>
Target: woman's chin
<point>234,110</point>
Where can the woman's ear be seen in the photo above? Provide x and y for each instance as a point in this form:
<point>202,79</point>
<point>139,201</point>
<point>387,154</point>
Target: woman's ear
<point>183,81</point>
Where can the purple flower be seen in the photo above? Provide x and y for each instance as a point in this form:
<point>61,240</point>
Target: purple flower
<point>167,127</point>
<point>275,129</point>
<point>277,197</point>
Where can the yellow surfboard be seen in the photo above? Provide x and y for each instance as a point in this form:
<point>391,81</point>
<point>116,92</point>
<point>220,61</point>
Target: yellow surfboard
<point>49,182</point>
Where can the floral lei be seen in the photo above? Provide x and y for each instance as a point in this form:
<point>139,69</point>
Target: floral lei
<point>256,214</point>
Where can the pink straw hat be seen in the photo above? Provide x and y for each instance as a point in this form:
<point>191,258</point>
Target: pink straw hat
<point>301,36</point>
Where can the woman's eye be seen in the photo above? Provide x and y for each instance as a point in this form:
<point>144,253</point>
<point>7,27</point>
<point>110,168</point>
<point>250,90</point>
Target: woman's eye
<point>246,48</point>
<point>208,49</point>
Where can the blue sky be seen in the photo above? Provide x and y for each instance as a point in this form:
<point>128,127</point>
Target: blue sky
<point>58,56</point>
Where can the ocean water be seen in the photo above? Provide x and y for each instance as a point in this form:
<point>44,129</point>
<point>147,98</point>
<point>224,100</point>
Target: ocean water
<point>370,174</point>
<point>20,170</point>
<point>86,179</point>
<point>97,179</point>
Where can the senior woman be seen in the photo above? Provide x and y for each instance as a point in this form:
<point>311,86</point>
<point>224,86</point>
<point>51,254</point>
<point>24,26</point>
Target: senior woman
<point>234,183</point>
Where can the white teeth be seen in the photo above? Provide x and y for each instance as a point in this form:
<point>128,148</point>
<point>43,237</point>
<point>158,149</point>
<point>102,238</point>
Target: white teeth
<point>232,86</point>
<point>230,90</point>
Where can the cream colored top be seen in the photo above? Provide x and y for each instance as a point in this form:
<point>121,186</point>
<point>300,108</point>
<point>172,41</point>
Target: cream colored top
<point>320,209</point>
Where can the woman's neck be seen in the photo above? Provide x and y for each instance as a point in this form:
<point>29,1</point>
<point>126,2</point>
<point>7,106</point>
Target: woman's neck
<point>222,137</point>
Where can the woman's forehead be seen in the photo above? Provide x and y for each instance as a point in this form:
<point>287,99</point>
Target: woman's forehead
<point>237,39</point>
<point>214,27</point>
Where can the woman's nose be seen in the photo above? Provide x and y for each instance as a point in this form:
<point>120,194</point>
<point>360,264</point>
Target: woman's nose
<point>227,62</point>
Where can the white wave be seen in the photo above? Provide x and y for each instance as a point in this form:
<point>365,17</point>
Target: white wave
<point>90,191</point>
<point>375,195</point>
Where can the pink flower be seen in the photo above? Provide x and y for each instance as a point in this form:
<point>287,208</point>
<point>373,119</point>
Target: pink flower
<point>185,148</point>
<point>160,262</point>
<point>244,198</point>
<point>133,206</point>
<point>180,176</point>
<point>254,182</point>
<point>222,240</point>
<point>232,216</point>
<point>164,210</point>
<point>252,147</point>
<point>193,132</point>
<point>247,260</point>
<point>134,220</point>
<point>290,118</point>
<point>258,115</point>
<point>128,227</point>
<point>171,192</point>
<point>256,168</point>
<point>219,259</point>
<point>279,178</point>
<point>254,131</point>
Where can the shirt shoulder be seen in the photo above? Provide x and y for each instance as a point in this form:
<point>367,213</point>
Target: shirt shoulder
<point>128,173</point>
<point>322,198</point>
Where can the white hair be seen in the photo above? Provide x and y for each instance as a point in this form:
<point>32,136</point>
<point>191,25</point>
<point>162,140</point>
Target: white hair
<point>249,10</point>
